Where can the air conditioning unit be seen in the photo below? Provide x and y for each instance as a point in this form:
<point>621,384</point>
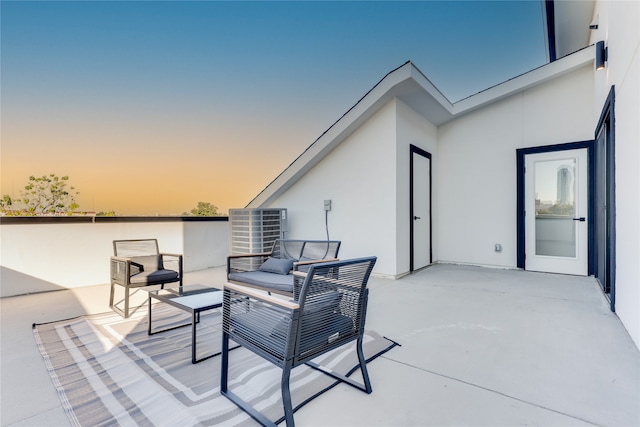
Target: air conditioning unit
<point>255,230</point>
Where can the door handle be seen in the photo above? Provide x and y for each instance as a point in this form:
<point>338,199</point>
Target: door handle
<point>416,217</point>
<point>581,219</point>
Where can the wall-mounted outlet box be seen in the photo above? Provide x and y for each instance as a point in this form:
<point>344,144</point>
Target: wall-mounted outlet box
<point>327,205</point>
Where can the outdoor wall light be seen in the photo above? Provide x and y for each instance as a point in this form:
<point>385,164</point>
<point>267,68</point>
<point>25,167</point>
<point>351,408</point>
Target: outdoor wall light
<point>601,55</point>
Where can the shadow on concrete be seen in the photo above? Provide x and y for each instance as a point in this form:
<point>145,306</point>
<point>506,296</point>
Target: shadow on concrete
<point>13,283</point>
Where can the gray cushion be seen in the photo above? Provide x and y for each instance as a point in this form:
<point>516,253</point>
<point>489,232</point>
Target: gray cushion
<point>327,302</point>
<point>335,327</point>
<point>280,282</point>
<point>154,277</point>
<point>260,332</point>
<point>273,337</point>
<point>322,324</point>
<point>277,266</point>
<point>321,318</point>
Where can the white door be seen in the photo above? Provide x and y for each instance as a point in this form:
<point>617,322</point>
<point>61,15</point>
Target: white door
<point>421,209</point>
<point>556,208</point>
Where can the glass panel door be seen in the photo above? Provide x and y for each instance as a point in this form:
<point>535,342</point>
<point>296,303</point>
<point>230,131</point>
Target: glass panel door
<point>556,210</point>
<point>555,207</point>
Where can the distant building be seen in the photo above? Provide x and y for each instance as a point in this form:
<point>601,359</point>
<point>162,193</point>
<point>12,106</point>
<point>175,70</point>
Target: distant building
<point>565,185</point>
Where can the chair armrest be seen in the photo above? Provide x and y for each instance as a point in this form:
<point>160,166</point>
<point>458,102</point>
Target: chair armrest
<point>245,262</point>
<point>120,270</point>
<point>261,296</point>
<point>173,259</point>
<point>168,254</point>
<point>298,280</point>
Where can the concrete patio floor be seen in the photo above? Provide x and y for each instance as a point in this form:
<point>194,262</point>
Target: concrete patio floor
<point>480,347</point>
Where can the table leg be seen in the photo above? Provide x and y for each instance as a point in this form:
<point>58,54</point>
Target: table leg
<point>193,335</point>
<point>196,315</point>
<point>149,323</point>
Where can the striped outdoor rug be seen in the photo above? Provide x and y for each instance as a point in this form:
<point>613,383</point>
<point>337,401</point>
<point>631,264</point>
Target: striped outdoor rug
<point>108,371</point>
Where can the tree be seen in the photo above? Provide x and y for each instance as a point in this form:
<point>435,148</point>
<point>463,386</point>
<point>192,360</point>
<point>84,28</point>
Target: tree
<point>6,202</point>
<point>203,209</point>
<point>49,195</point>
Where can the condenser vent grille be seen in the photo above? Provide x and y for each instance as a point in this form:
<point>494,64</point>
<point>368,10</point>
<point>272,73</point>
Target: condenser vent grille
<point>255,230</point>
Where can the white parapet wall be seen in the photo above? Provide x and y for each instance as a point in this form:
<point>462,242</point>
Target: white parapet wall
<point>45,254</point>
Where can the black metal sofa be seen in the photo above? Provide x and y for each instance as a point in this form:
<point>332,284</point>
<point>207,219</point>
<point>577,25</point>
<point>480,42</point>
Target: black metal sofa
<point>273,271</point>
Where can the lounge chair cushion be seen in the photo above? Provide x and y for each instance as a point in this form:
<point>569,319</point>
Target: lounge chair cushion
<point>145,278</point>
<point>328,302</point>
<point>279,282</point>
<point>322,324</point>
<point>338,326</point>
<point>334,327</point>
<point>277,266</point>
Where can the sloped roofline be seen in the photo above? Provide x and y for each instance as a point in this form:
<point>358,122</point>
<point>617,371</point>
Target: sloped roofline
<point>410,85</point>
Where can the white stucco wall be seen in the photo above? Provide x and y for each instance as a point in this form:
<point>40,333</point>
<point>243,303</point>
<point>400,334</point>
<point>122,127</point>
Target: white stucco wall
<point>46,257</point>
<point>473,171</point>
<point>619,26</point>
<point>367,179</point>
<point>359,179</point>
<point>476,171</point>
<point>205,244</point>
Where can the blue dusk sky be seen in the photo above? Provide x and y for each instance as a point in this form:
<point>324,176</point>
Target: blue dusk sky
<point>150,107</point>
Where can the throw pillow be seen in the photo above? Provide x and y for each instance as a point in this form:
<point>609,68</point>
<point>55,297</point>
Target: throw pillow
<point>277,266</point>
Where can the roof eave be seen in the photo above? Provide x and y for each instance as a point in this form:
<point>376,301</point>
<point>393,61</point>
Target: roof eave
<point>525,81</point>
<point>410,85</point>
<point>401,82</point>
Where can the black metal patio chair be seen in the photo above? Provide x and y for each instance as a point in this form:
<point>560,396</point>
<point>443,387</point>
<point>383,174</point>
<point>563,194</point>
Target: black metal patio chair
<point>329,312</point>
<point>138,263</point>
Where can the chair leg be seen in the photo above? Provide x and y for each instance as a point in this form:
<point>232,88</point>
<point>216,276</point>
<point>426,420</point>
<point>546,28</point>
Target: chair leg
<point>224,369</point>
<point>113,305</point>
<point>224,389</point>
<point>126,302</point>
<point>286,396</point>
<point>363,366</point>
<point>112,294</point>
<point>366,387</point>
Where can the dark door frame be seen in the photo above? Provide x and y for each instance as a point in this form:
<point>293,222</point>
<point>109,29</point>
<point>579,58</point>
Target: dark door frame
<point>520,200</point>
<point>417,150</point>
<point>608,123</point>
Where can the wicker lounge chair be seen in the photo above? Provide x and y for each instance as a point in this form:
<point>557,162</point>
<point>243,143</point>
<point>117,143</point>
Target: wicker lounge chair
<point>272,271</point>
<point>138,263</point>
<point>330,312</point>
